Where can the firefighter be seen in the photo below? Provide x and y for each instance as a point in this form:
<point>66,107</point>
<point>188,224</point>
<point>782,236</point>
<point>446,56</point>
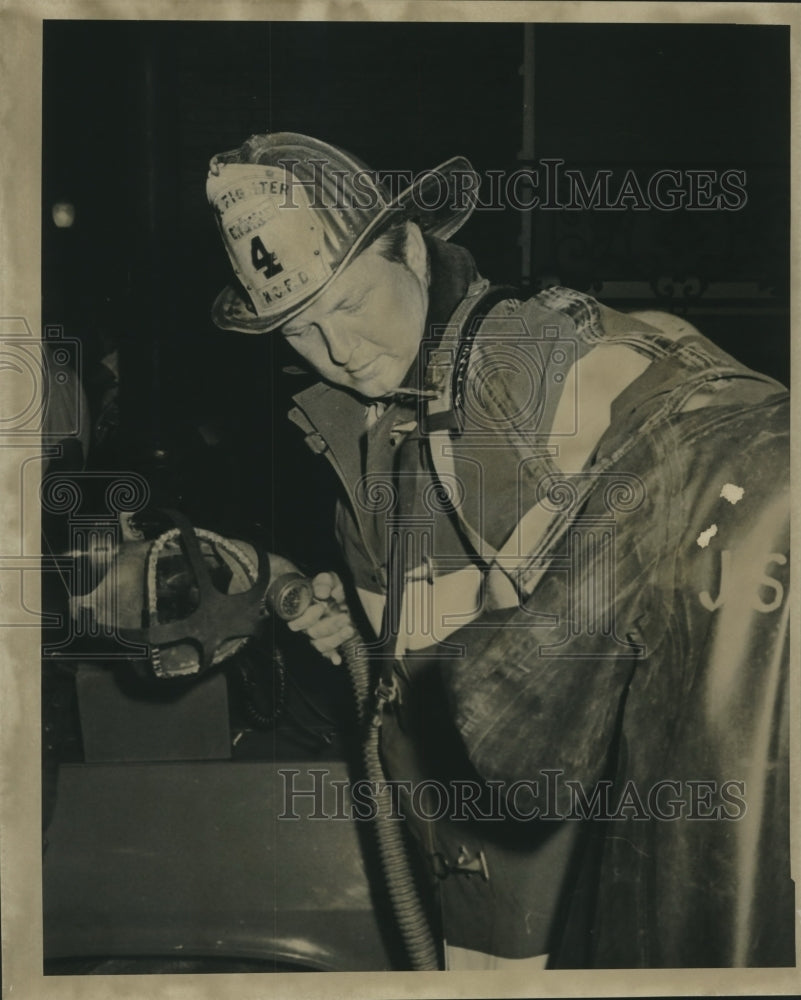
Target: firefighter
<point>568,530</point>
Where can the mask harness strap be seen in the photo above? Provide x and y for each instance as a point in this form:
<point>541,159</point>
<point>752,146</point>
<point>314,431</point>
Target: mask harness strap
<point>218,617</point>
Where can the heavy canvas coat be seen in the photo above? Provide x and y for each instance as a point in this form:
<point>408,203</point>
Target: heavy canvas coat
<point>593,513</point>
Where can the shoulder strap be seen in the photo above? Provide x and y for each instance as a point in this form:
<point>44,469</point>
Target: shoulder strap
<point>446,363</point>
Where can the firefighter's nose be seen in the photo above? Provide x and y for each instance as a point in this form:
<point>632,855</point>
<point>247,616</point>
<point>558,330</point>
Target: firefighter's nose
<point>340,340</point>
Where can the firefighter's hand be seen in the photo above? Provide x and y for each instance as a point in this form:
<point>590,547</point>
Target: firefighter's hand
<point>327,621</point>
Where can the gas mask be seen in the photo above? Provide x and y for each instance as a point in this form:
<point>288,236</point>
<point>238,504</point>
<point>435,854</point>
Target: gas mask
<point>190,595</point>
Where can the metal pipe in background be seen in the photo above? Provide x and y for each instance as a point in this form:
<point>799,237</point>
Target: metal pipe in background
<point>148,197</point>
<point>526,154</point>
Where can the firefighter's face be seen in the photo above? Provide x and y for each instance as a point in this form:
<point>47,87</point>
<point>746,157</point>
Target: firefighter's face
<point>364,331</point>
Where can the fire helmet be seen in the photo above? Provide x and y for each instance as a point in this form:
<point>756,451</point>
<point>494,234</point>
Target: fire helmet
<point>293,211</point>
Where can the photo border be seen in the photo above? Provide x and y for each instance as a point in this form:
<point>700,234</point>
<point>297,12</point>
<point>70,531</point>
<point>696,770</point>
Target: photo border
<point>20,298</point>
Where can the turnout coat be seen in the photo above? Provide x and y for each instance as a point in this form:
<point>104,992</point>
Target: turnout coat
<point>569,533</point>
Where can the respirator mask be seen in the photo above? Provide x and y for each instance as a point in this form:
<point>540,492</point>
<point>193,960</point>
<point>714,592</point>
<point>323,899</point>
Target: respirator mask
<point>190,596</point>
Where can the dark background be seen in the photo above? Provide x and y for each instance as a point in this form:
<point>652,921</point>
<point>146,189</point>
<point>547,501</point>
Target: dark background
<point>133,111</point>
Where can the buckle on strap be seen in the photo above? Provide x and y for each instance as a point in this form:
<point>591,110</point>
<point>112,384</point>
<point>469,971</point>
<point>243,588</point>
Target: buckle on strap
<point>467,863</point>
<point>387,691</point>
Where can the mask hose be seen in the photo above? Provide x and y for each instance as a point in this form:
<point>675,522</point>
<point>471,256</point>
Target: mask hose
<point>289,596</point>
<point>409,914</point>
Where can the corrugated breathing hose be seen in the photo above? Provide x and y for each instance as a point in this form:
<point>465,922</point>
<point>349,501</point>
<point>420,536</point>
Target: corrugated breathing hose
<point>407,907</point>
<point>288,596</point>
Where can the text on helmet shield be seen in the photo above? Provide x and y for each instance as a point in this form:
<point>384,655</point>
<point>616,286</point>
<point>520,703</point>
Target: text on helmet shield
<point>286,286</point>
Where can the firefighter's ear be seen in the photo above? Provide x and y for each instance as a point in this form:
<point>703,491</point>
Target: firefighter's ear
<point>416,252</point>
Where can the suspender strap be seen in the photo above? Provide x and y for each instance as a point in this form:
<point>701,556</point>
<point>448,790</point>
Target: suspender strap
<point>447,362</point>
